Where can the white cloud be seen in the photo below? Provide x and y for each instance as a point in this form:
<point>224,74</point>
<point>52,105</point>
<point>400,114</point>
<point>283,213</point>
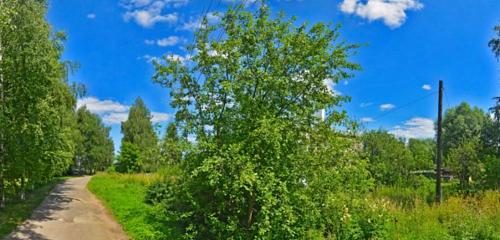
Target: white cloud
<point>392,12</point>
<point>159,117</point>
<point>330,85</point>
<point>165,42</point>
<point>196,23</point>
<point>365,104</point>
<point>387,106</point>
<point>115,118</point>
<point>426,87</point>
<point>147,13</point>
<point>91,16</point>
<point>97,106</point>
<point>149,58</point>
<point>415,128</point>
<point>179,58</point>
<point>367,119</point>
<point>247,2</point>
<point>113,112</point>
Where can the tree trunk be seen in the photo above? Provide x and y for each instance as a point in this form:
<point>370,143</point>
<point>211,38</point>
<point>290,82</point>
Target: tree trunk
<point>2,150</point>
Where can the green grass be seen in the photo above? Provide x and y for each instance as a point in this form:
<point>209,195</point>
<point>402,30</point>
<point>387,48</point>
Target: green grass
<point>123,195</point>
<point>458,217</point>
<point>15,213</point>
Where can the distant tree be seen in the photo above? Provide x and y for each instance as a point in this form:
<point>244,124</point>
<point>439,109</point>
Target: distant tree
<point>461,124</point>
<point>463,159</point>
<point>494,43</point>
<point>95,149</point>
<point>389,159</point>
<point>423,151</point>
<point>129,158</point>
<point>139,131</point>
<point>171,146</point>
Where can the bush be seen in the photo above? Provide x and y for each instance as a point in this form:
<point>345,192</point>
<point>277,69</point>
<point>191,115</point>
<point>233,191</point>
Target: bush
<point>129,160</point>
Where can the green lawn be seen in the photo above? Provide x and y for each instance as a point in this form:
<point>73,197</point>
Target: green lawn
<point>123,195</point>
<point>15,213</point>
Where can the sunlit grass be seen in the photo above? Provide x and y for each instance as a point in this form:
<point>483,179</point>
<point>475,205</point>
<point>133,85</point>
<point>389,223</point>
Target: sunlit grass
<point>458,217</point>
<point>123,195</point>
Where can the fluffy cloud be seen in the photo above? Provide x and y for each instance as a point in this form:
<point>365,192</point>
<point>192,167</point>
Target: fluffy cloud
<point>331,86</point>
<point>113,112</point>
<point>196,23</point>
<point>147,13</point>
<point>97,106</point>
<point>150,58</point>
<point>415,128</point>
<point>426,87</point>
<point>392,12</point>
<point>165,42</point>
<point>387,106</point>
<point>91,16</point>
<point>365,104</point>
<point>367,119</point>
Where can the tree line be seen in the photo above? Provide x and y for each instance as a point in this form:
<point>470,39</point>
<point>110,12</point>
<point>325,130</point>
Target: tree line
<point>471,138</point>
<point>42,134</point>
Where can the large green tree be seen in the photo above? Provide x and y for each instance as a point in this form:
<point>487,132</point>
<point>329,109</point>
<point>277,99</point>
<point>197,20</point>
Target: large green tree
<point>95,149</point>
<point>264,165</point>
<point>172,145</point>
<point>423,151</point>
<point>139,131</point>
<point>463,128</point>
<point>390,160</point>
<point>462,123</point>
<point>37,118</point>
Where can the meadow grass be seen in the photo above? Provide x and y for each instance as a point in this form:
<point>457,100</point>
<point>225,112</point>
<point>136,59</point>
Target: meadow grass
<point>123,195</point>
<point>16,212</point>
<point>458,217</point>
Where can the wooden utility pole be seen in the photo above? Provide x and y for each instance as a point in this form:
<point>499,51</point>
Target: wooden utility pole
<point>439,152</point>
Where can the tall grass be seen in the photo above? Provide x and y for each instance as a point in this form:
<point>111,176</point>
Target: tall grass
<point>458,217</point>
<point>123,195</point>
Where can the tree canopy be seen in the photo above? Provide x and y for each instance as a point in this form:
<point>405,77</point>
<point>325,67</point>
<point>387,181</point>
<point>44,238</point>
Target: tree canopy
<point>95,149</point>
<point>264,164</point>
<point>36,115</point>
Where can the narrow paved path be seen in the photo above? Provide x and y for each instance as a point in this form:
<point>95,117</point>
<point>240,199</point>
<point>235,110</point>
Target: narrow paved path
<point>70,212</point>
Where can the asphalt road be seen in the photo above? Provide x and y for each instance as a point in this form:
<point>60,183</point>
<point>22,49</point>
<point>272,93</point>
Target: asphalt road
<point>70,212</point>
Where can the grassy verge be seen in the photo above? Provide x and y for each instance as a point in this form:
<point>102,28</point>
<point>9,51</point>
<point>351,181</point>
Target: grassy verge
<point>15,213</point>
<point>123,195</point>
<point>458,217</point>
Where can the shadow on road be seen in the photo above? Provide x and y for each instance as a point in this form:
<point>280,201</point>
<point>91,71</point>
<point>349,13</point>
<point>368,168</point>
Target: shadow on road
<point>56,201</point>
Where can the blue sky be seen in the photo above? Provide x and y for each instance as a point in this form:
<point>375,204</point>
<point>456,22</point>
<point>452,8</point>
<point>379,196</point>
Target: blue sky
<point>410,45</point>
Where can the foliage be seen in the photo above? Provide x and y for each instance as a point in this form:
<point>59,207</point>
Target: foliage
<point>460,124</point>
<point>123,195</point>
<point>423,153</point>
<point>495,43</point>
<point>171,146</point>
<point>95,149</point>
<point>129,160</point>
<point>464,161</point>
<point>38,128</point>
<point>390,160</point>
<point>264,163</point>
<point>138,130</point>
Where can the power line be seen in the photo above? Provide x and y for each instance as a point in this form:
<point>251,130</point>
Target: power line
<point>403,106</point>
